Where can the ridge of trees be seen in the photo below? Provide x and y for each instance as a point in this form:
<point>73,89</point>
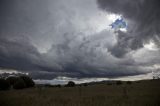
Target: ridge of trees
<point>16,82</point>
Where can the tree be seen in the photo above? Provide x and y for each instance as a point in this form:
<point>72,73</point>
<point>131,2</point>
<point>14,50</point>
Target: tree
<point>19,84</point>
<point>11,80</point>
<point>70,84</point>
<point>85,84</point>
<point>16,82</point>
<point>4,85</point>
<point>28,81</point>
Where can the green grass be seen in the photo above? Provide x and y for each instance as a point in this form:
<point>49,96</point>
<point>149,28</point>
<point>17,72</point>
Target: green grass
<point>145,93</point>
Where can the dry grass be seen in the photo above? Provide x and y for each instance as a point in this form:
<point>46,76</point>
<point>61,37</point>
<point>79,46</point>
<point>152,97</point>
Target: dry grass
<point>145,93</point>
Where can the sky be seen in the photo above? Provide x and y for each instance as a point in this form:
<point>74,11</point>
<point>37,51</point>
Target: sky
<point>72,38</point>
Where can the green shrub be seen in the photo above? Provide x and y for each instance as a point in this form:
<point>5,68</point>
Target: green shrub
<point>4,85</point>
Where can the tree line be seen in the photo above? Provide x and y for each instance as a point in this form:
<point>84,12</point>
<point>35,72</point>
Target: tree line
<point>16,82</point>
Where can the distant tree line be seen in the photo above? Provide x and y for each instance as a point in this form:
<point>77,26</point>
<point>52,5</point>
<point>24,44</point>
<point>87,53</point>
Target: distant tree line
<point>69,84</point>
<point>16,82</point>
<point>24,81</point>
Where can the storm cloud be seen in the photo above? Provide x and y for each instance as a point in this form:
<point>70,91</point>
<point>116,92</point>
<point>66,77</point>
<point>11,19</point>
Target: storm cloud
<point>72,38</point>
<point>143,23</point>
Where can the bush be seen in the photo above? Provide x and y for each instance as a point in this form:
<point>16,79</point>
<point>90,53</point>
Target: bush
<point>70,84</point>
<point>59,86</point>
<point>28,81</point>
<point>19,84</point>
<point>118,82</point>
<point>129,82</point>
<point>109,83</point>
<point>4,85</point>
<point>48,85</point>
<point>85,84</point>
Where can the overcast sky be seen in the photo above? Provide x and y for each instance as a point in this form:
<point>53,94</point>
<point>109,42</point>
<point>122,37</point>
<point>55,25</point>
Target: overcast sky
<point>72,38</point>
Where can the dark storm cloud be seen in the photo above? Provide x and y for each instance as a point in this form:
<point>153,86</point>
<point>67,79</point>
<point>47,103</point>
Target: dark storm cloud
<point>17,25</point>
<point>59,38</point>
<point>143,23</point>
<point>17,54</point>
<point>85,61</point>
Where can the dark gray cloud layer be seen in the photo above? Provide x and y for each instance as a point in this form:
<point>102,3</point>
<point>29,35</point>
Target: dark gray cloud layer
<point>143,26</point>
<point>59,38</point>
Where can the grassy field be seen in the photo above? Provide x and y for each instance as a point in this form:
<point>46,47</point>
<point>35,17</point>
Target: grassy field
<point>143,93</point>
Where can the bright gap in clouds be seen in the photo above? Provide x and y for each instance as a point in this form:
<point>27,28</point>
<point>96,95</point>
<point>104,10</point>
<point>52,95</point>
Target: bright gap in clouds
<point>12,71</point>
<point>112,17</point>
<point>65,80</point>
<point>151,46</point>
